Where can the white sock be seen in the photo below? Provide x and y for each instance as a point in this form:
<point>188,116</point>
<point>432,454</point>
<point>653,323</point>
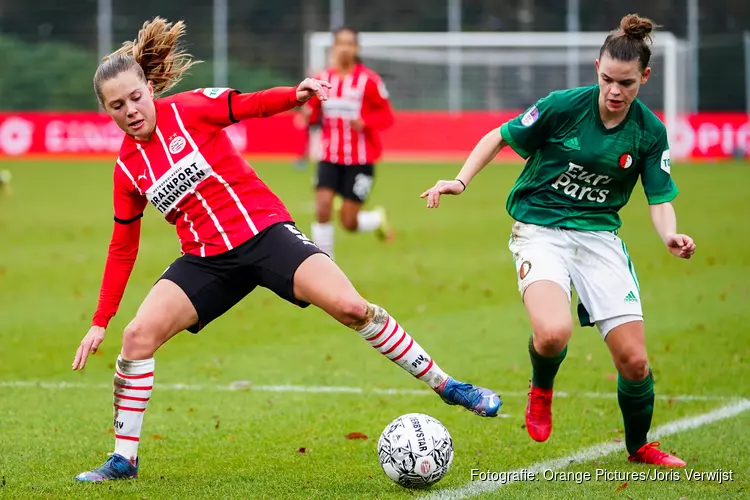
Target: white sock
<point>368,220</point>
<point>322,235</point>
<point>133,383</point>
<point>386,335</point>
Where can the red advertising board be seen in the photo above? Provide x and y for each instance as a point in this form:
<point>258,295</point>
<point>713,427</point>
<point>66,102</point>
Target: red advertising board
<point>416,135</point>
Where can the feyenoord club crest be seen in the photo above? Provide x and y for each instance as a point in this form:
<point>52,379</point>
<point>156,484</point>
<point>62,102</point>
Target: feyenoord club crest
<point>524,270</point>
<point>626,160</point>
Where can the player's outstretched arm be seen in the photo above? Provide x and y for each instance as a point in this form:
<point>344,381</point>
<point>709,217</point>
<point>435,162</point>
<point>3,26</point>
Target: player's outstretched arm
<point>483,153</point>
<point>123,250</point>
<point>665,222</point>
<point>269,102</point>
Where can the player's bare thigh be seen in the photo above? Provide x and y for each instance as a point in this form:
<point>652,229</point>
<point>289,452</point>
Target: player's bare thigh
<point>542,279</point>
<point>627,344</point>
<point>165,312</point>
<point>319,281</point>
<point>324,204</point>
<point>548,307</point>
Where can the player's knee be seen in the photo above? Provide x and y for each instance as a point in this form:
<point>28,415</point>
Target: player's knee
<point>552,337</point>
<point>138,341</point>
<point>352,311</point>
<point>634,366</point>
<point>323,213</point>
<point>349,221</point>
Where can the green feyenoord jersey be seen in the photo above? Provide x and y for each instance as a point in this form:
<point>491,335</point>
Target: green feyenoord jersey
<point>579,174</point>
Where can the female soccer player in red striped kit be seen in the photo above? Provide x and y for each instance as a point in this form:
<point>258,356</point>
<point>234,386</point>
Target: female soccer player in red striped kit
<point>235,234</point>
<point>351,120</point>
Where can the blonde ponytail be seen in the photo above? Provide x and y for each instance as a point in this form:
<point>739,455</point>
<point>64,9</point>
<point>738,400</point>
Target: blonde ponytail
<point>156,55</point>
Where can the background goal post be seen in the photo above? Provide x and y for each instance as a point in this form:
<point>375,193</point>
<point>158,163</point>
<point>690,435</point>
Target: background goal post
<point>474,71</point>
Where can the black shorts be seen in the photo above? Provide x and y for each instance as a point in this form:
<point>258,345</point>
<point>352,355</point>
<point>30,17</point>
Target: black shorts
<point>352,182</point>
<point>269,259</point>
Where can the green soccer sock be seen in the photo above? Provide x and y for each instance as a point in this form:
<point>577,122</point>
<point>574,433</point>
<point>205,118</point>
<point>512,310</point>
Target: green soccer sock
<point>637,405</point>
<point>544,369</point>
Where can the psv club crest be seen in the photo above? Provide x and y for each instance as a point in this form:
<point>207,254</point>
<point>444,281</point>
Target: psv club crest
<point>626,160</point>
<point>177,144</point>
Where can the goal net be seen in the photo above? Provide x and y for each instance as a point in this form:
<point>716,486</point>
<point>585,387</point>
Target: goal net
<point>461,71</point>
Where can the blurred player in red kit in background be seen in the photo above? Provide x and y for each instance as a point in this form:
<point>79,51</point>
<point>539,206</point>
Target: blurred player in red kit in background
<point>235,233</point>
<point>351,120</point>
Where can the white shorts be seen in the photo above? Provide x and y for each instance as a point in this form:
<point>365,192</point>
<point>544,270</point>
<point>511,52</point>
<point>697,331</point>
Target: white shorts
<point>595,263</point>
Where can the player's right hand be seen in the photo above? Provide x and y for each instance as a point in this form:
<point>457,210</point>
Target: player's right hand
<point>310,87</point>
<point>89,345</point>
<point>442,187</point>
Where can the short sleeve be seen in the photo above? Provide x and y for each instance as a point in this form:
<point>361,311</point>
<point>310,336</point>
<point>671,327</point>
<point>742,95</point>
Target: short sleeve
<point>529,131</point>
<point>656,175</point>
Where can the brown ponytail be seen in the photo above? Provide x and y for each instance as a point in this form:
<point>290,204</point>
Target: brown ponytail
<point>155,56</point>
<point>631,41</point>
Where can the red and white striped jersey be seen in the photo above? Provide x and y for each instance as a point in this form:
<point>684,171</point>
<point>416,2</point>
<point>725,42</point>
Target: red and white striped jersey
<point>359,95</point>
<point>190,171</point>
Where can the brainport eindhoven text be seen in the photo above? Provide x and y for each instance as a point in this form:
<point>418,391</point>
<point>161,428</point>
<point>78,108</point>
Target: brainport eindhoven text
<point>522,475</point>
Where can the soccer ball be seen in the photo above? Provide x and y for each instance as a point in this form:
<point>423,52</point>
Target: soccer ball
<point>415,450</point>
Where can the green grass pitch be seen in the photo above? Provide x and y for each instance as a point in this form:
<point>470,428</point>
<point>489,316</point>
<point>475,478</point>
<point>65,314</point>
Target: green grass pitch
<point>449,280</point>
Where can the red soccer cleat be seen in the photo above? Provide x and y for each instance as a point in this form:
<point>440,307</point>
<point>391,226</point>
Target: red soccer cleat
<point>649,454</point>
<point>539,413</point>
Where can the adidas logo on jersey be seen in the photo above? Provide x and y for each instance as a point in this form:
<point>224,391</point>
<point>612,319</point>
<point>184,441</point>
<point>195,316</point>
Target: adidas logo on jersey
<point>572,143</point>
<point>630,298</point>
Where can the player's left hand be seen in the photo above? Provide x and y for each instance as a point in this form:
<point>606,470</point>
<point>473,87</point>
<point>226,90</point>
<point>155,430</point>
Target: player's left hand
<point>680,245</point>
<point>310,87</point>
<point>357,124</point>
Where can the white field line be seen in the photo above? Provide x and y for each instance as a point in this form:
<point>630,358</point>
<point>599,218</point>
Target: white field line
<point>242,385</point>
<point>588,454</point>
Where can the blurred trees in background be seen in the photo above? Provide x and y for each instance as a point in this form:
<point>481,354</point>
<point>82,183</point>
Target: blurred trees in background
<point>48,48</point>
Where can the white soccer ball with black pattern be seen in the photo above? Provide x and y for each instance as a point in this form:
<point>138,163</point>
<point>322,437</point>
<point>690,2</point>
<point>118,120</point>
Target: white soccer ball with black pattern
<point>415,450</point>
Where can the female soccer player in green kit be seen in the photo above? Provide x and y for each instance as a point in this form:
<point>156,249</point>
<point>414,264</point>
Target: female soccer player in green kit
<point>585,149</point>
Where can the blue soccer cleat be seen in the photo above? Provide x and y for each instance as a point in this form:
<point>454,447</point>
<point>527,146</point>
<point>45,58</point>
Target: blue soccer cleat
<point>116,467</point>
<point>481,401</point>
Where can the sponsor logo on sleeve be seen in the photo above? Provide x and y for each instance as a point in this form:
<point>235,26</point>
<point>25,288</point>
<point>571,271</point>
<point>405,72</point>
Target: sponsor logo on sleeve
<point>530,117</point>
<point>666,163</point>
<point>214,92</point>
